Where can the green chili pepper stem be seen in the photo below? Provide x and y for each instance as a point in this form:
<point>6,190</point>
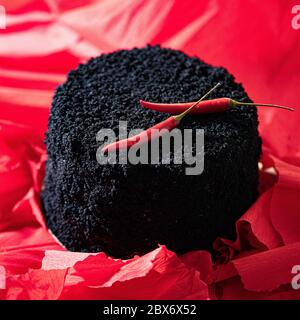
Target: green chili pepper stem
<point>179,117</point>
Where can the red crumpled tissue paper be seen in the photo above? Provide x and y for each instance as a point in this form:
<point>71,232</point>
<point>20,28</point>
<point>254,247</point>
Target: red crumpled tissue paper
<point>43,40</point>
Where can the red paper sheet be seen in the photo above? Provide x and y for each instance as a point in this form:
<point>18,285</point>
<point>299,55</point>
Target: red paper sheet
<point>43,41</point>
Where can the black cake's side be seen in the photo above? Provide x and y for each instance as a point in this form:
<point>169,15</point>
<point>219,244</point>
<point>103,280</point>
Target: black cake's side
<point>124,209</point>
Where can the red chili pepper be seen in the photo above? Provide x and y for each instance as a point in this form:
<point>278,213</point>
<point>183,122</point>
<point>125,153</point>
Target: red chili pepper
<point>153,132</point>
<point>207,106</point>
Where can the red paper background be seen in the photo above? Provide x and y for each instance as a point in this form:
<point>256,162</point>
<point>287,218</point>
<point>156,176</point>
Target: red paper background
<point>43,40</point>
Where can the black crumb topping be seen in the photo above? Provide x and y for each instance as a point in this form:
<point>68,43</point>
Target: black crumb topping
<point>125,210</point>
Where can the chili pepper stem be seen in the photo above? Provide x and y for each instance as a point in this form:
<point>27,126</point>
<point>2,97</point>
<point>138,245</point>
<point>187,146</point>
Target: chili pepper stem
<point>234,103</point>
<point>179,117</point>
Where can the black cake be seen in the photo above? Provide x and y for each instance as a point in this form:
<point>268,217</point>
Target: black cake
<point>125,210</point>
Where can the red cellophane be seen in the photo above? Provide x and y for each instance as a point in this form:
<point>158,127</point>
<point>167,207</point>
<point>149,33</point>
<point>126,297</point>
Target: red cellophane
<point>42,41</point>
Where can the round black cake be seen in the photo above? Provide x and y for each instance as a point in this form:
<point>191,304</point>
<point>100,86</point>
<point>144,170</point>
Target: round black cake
<point>126,209</point>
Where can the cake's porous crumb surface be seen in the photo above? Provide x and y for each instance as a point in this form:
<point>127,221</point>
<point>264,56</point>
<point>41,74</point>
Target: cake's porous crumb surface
<point>125,210</point>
